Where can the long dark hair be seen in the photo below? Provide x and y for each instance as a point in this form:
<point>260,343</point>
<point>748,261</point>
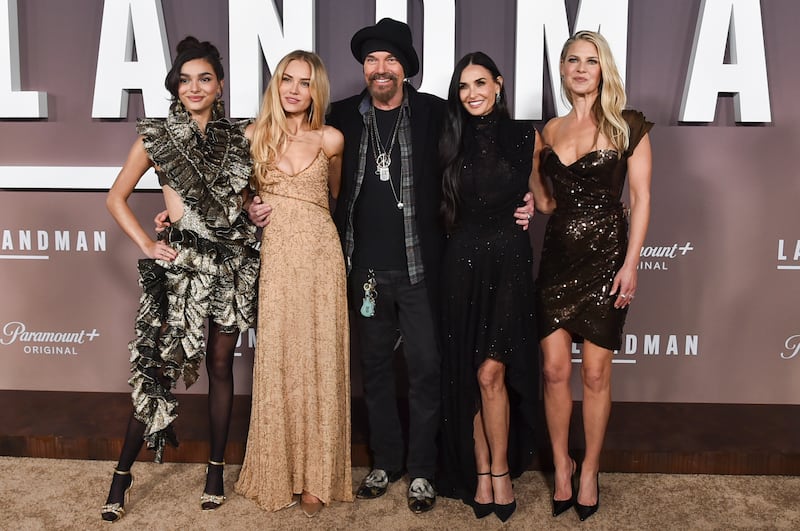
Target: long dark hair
<point>451,142</point>
<point>190,49</point>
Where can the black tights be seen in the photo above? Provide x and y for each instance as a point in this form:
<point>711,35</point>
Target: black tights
<point>219,365</point>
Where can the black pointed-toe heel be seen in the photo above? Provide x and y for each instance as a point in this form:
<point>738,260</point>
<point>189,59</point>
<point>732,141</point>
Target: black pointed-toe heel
<point>504,510</point>
<point>562,506</point>
<point>482,510</point>
<point>585,511</point>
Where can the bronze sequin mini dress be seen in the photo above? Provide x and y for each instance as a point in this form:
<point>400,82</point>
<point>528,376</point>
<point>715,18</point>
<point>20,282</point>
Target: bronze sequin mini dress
<point>585,242</point>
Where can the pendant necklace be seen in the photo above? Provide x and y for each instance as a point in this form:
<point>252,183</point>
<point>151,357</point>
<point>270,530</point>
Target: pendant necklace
<point>382,154</point>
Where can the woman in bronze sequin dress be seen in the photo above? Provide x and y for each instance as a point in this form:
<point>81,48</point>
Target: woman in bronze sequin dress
<point>489,388</point>
<point>590,255</point>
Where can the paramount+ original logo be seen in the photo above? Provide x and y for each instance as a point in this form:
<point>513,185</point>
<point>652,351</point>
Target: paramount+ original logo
<point>49,343</point>
<point>659,258</point>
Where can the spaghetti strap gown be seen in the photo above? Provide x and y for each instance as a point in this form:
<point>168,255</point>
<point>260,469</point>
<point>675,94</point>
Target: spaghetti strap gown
<point>488,305</point>
<point>299,436</point>
<point>585,242</point>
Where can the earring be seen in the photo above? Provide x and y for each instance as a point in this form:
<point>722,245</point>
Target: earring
<point>218,110</point>
<point>311,112</point>
<point>496,98</point>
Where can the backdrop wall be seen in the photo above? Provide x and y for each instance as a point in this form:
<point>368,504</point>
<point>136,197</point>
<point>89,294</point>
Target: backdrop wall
<point>715,317</point>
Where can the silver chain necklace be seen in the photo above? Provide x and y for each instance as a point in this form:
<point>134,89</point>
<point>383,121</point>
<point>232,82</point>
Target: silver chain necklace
<point>383,158</point>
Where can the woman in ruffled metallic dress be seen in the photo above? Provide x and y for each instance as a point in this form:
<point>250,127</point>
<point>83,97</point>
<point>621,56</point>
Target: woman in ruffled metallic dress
<point>202,267</point>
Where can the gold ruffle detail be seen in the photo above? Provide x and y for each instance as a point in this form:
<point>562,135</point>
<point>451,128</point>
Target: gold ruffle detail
<point>206,280</point>
<point>208,171</point>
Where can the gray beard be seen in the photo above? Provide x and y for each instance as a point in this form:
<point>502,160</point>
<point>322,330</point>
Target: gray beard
<point>384,96</point>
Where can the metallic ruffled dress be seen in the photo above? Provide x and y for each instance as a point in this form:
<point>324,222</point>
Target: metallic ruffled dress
<point>215,273</point>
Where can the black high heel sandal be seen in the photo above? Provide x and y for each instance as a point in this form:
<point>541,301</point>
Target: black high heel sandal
<point>210,502</point>
<point>482,510</point>
<point>111,512</point>
<point>585,511</point>
<point>562,506</point>
<point>504,510</point>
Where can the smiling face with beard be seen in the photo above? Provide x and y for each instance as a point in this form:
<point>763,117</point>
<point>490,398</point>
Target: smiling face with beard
<point>384,76</point>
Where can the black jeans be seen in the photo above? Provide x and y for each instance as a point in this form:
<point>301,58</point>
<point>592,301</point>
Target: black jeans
<point>399,305</point>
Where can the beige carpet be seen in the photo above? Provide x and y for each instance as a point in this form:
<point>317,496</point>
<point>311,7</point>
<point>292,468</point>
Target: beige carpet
<point>63,494</point>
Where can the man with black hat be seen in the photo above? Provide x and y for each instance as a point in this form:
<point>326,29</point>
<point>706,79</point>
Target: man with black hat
<point>388,217</point>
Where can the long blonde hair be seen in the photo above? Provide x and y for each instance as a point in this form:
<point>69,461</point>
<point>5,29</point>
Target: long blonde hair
<point>607,108</point>
<point>271,133</point>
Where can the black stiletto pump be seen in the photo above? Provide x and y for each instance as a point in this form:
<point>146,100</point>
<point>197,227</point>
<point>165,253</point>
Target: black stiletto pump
<point>504,511</point>
<point>585,511</point>
<point>482,510</point>
<point>562,506</point>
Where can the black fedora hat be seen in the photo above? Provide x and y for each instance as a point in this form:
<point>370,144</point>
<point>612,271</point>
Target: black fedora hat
<point>388,35</point>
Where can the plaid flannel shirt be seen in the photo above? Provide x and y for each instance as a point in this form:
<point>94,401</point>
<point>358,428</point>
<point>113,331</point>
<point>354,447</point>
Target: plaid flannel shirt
<point>413,252</point>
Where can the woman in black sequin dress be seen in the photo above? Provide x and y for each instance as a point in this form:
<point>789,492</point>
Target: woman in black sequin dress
<point>590,255</point>
<point>489,343</point>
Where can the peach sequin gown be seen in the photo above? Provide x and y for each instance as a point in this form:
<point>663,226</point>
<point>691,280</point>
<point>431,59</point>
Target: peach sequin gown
<point>299,437</point>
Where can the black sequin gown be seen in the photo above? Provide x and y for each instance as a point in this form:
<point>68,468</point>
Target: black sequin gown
<point>585,243</point>
<point>488,304</point>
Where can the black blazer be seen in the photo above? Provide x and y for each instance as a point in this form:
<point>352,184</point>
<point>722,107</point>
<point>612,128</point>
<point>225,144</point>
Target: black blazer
<point>427,114</point>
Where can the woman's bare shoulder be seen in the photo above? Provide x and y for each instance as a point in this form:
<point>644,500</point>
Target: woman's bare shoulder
<point>332,141</point>
<point>550,129</point>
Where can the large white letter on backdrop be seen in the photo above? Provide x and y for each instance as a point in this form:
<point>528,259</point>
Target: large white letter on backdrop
<point>438,39</point>
<point>254,22</point>
<point>544,22</point>
<point>745,76</point>
<point>13,102</point>
<point>396,9</point>
<point>126,22</point>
